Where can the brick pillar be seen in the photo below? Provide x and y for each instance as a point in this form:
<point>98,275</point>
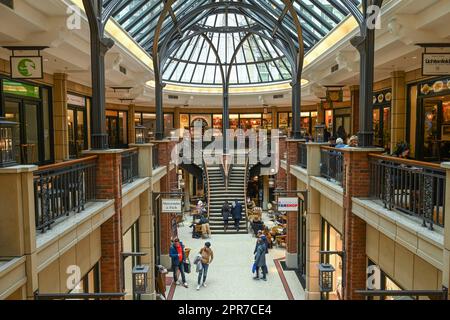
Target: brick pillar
<point>446,269</point>
<point>292,217</point>
<point>354,97</point>
<point>60,125</point>
<point>164,153</point>
<point>356,184</point>
<point>398,108</point>
<point>109,186</point>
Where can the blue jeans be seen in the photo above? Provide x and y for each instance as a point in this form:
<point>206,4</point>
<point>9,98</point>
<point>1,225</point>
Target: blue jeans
<point>175,271</point>
<point>203,273</point>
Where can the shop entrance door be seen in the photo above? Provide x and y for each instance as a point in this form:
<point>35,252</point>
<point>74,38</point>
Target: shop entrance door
<point>432,129</point>
<point>77,131</point>
<point>343,126</point>
<point>113,131</point>
<point>27,114</point>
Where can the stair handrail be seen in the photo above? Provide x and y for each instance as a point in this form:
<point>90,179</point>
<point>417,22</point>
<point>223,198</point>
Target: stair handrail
<point>208,192</point>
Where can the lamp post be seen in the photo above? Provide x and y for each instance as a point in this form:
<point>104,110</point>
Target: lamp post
<point>140,132</point>
<point>140,276</point>
<point>326,272</point>
<point>7,143</point>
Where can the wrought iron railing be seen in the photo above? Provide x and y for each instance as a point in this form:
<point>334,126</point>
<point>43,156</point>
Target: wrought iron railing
<point>332,165</point>
<point>155,157</point>
<point>302,155</point>
<point>412,187</point>
<point>62,189</point>
<point>130,166</point>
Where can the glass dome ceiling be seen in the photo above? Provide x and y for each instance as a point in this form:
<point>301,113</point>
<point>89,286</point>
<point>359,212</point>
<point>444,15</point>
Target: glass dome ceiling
<point>257,61</point>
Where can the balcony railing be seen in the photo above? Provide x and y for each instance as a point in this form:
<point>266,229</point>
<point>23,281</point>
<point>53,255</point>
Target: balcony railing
<point>302,155</point>
<point>62,189</point>
<point>130,166</point>
<point>155,157</point>
<point>332,164</point>
<point>412,187</point>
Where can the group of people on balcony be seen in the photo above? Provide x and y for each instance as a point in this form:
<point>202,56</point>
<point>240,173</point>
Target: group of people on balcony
<point>339,143</point>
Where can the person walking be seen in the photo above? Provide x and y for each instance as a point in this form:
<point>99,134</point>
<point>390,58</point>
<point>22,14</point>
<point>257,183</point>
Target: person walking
<point>207,257</point>
<point>260,260</point>
<point>226,213</point>
<point>237,214</point>
<point>178,257</point>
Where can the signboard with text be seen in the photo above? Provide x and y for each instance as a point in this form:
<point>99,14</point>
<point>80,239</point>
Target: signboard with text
<point>172,206</point>
<point>26,68</point>
<point>436,64</point>
<point>288,204</point>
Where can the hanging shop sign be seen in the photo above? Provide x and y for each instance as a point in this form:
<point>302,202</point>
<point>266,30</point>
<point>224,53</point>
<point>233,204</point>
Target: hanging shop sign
<point>172,206</point>
<point>288,204</point>
<point>26,67</point>
<point>436,64</point>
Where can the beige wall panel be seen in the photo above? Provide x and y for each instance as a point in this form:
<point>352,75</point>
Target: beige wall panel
<point>130,214</point>
<point>83,255</point>
<point>404,267</point>
<point>372,243</point>
<point>425,275</point>
<point>387,255</point>
<point>67,259</point>
<point>49,279</point>
<point>96,247</point>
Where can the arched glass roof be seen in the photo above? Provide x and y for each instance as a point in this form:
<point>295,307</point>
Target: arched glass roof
<point>258,60</point>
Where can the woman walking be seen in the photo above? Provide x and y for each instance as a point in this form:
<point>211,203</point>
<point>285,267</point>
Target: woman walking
<point>226,212</point>
<point>237,214</point>
<point>206,258</point>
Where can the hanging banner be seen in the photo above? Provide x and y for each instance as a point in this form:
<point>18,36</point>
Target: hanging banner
<point>436,64</point>
<point>288,204</point>
<point>172,206</point>
<point>26,67</point>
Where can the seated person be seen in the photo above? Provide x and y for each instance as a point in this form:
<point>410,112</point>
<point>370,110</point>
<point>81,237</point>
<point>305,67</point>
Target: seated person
<point>204,222</point>
<point>268,235</point>
<point>257,225</point>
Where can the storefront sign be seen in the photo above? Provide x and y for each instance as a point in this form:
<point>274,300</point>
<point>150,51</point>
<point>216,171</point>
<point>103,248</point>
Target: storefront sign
<point>172,206</point>
<point>76,100</point>
<point>26,68</point>
<point>288,204</point>
<point>436,64</point>
<point>20,89</point>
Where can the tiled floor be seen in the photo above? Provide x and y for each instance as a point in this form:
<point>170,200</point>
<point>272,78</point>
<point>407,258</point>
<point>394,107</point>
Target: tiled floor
<point>230,276</point>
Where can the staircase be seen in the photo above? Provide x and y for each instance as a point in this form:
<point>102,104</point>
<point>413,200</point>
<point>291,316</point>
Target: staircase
<point>219,194</point>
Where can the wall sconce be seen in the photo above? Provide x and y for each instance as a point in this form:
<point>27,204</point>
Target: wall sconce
<point>7,143</point>
<point>140,276</point>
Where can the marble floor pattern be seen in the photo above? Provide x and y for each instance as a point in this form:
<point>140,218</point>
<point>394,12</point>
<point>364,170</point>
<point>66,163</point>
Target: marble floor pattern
<point>230,276</point>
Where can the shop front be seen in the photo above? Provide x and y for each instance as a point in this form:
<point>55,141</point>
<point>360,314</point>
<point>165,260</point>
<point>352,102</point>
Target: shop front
<point>308,121</point>
<point>429,119</point>
<point>117,128</point>
<point>382,118</point>
<point>29,105</point>
<point>148,120</point>
<point>77,110</point>
<point>339,122</point>
<point>331,241</point>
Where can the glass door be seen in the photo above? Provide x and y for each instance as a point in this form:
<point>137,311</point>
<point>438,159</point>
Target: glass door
<point>12,113</point>
<point>111,127</point>
<point>30,147</point>
<point>431,131</point>
<point>77,131</point>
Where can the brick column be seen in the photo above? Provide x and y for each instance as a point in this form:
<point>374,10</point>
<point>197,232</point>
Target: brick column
<point>292,217</point>
<point>109,186</point>
<point>356,184</point>
<point>446,269</point>
<point>17,227</point>
<point>164,153</point>
<point>354,97</point>
<point>398,108</point>
<point>60,125</point>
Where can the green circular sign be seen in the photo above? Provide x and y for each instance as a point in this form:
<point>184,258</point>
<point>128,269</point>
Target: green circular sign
<point>25,66</point>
